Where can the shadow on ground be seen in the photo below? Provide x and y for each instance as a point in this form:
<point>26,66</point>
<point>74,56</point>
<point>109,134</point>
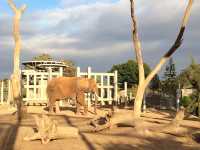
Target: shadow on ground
<point>120,138</point>
<point>8,131</point>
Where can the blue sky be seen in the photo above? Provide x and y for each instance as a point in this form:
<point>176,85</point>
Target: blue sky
<point>32,4</point>
<point>48,4</point>
<point>97,32</point>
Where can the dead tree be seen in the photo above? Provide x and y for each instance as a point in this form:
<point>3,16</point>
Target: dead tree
<point>143,82</point>
<point>48,129</point>
<point>16,77</point>
<point>123,118</point>
<point>112,119</point>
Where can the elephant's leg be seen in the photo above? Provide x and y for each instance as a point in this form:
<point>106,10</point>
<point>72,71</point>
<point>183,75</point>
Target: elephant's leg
<point>95,105</point>
<point>51,105</point>
<point>78,108</point>
<point>85,108</point>
<point>51,109</point>
<point>78,105</point>
<point>82,101</point>
<point>57,107</point>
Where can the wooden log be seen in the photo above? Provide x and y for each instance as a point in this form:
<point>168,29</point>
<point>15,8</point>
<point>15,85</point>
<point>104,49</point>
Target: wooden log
<point>122,117</point>
<point>61,133</point>
<point>112,119</point>
<point>48,130</point>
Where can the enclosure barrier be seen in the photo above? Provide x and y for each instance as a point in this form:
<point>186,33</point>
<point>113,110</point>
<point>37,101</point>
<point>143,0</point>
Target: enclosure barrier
<point>107,85</point>
<point>5,92</point>
<point>35,84</point>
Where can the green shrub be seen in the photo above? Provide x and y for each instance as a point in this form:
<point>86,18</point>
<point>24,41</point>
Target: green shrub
<point>185,101</point>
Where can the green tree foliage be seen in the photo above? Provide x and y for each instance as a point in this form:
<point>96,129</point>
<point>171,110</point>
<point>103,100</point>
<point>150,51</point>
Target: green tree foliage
<point>185,101</point>
<point>128,72</point>
<point>170,83</point>
<point>43,57</point>
<point>155,83</point>
<point>190,77</point>
<point>170,70</point>
<point>70,70</point>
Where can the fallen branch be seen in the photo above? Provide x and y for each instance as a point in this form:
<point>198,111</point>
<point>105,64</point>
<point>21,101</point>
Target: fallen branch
<point>112,119</point>
<point>124,119</point>
<point>48,130</point>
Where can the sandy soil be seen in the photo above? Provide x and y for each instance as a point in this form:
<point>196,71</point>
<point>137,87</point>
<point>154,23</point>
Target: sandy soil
<point>118,138</point>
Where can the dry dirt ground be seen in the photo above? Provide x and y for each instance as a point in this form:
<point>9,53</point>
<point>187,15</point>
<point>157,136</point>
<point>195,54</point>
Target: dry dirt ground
<point>117,138</point>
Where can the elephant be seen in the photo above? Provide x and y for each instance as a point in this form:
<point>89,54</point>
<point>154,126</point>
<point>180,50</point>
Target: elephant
<point>71,87</point>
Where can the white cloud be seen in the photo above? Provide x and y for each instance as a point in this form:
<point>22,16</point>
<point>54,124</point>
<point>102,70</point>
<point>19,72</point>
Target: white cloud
<point>75,3</point>
<point>102,28</point>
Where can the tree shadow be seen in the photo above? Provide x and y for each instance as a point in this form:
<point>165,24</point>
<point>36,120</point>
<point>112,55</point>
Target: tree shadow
<point>193,119</point>
<point>82,135</point>
<point>164,119</point>
<point>152,121</point>
<point>168,142</point>
<point>113,146</point>
<point>196,137</point>
<point>64,108</point>
<point>151,144</point>
<point>8,132</point>
<point>145,142</point>
<point>167,113</point>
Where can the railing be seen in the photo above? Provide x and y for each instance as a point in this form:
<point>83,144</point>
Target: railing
<point>107,84</point>
<point>34,85</point>
<point>5,92</point>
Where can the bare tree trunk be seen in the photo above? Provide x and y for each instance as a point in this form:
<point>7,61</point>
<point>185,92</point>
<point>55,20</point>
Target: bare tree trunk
<point>138,101</point>
<point>143,83</point>
<point>16,77</point>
